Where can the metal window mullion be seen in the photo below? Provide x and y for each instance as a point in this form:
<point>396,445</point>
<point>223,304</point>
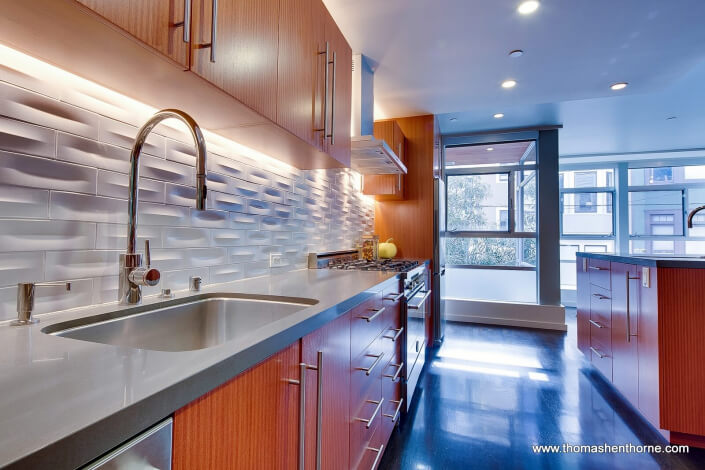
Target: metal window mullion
<point>511,219</point>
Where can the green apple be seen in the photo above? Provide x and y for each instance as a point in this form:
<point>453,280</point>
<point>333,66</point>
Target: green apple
<point>387,249</point>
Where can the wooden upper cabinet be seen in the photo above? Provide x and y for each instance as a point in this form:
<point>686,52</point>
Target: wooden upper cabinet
<point>157,23</point>
<point>387,187</point>
<point>250,422</point>
<point>340,91</point>
<point>243,62</point>
<point>298,69</point>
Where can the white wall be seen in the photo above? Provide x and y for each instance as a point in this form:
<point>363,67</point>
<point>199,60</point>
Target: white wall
<point>491,284</point>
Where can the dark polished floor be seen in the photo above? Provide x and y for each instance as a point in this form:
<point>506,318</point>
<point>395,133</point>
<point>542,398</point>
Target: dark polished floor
<point>490,393</point>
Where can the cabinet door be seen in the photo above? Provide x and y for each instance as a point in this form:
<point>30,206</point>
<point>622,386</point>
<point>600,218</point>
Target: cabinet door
<point>297,68</point>
<point>648,344</point>
<point>583,306</point>
<point>333,342</point>
<point>157,23</point>
<point>625,319</point>
<point>340,98</point>
<point>250,422</point>
<point>246,41</point>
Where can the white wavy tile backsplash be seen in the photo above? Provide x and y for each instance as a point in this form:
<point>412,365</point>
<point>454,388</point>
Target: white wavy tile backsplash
<point>64,158</point>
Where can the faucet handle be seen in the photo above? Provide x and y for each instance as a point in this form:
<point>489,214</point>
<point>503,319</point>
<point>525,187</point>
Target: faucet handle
<point>147,254</point>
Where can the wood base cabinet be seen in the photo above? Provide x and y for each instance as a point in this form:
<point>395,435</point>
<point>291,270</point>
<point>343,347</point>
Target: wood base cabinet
<point>247,423</point>
<point>329,401</point>
<point>641,326</point>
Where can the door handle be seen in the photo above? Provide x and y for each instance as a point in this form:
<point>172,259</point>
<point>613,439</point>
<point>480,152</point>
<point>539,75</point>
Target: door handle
<point>186,23</point>
<point>598,268</point>
<point>332,102</point>
<point>325,93</point>
<point>303,367</point>
<point>423,299</point>
<point>396,374</point>
<point>368,370</point>
<point>214,31</point>
<point>399,332</point>
<point>378,312</point>
<point>599,354</point>
<point>396,413</point>
<point>368,422</point>
<point>596,324</point>
<point>629,315</point>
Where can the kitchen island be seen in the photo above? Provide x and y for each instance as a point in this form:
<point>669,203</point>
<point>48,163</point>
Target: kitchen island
<point>641,323</point>
<point>65,402</point>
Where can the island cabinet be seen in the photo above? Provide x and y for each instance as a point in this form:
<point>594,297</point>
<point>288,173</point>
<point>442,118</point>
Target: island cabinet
<point>328,401</point>
<point>640,325</point>
<point>285,59</point>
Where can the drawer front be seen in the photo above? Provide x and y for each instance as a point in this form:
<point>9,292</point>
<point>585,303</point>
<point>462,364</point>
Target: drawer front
<point>603,364</point>
<point>392,406</point>
<point>367,321</point>
<point>370,455</point>
<point>601,306</point>
<point>601,338</point>
<point>599,272</point>
<point>365,381</point>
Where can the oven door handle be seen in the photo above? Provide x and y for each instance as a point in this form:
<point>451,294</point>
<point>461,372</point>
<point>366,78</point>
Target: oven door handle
<point>423,300</point>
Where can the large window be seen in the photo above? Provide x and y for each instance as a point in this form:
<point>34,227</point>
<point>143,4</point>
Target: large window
<point>660,199</point>
<point>491,221</point>
<point>587,216</point>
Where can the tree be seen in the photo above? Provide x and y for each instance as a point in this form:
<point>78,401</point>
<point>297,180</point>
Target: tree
<point>465,197</point>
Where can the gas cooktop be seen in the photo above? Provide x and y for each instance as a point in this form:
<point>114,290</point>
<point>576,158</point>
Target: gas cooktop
<point>350,260</point>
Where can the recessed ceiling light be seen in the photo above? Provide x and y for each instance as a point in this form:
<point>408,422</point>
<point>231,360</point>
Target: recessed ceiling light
<point>528,7</point>
<point>489,149</point>
<point>619,86</point>
<point>453,119</point>
<point>499,115</point>
<point>516,53</point>
<point>509,84</point>
<point>671,118</point>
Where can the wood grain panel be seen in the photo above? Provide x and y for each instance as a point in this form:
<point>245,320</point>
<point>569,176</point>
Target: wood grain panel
<point>681,325</point>
<point>246,53</point>
<point>625,318</point>
<point>583,305</point>
<point>410,222</point>
<point>247,423</point>
<point>334,341</point>
<point>341,93</point>
<point>297,61</point>
<point>117,13</point>
<point>648,345</point>
<point>153,22</point>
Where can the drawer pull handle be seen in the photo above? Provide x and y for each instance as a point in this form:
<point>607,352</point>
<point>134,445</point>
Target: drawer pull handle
<point>368,422</point>
<point>368,370</point>
<point>378,312</point>
<point>596,324</point>
<point>601,297</point>
<point>394,297</point>
<point>379,454</point>
<point>399,332</point>
<point>599,354</point>
<point>396,413</point>
<point>598,268</point>
<point>396,374</point>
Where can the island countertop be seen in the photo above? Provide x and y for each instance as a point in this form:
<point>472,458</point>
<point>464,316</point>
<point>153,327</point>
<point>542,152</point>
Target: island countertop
<point>66,401</point>
<point>654,261</point>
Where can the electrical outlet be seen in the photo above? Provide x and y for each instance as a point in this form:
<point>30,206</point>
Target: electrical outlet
<point>276,260</point>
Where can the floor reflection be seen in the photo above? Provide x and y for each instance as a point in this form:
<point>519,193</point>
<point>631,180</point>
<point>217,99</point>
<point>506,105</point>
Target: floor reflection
<point>491,393</point>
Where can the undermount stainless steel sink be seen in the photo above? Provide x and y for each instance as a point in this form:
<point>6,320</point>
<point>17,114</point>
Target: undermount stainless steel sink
<point>187,324</point>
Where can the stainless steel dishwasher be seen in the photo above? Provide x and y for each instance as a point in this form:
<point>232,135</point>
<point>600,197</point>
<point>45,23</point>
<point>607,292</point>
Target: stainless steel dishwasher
<point>149,451</point>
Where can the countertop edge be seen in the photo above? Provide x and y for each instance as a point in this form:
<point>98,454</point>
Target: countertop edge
<point>656,262</point>
<point>95,440</point>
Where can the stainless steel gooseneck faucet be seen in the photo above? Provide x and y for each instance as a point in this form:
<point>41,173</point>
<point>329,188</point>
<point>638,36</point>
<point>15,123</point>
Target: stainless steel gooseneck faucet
<point>692,214</point>
<point>132,274</point>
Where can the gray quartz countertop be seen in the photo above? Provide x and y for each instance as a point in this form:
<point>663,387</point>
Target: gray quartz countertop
<point>654,261</point>
<point>64,402</point>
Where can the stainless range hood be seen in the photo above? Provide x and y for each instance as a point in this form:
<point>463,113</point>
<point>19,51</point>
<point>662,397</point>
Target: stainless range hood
<point>370,156</point>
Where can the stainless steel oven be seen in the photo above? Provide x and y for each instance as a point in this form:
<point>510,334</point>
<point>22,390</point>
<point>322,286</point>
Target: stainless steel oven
<point>415,311</point>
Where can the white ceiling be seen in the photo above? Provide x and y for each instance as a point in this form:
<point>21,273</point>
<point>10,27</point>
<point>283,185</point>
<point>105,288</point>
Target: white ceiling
<point>450,56</point>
